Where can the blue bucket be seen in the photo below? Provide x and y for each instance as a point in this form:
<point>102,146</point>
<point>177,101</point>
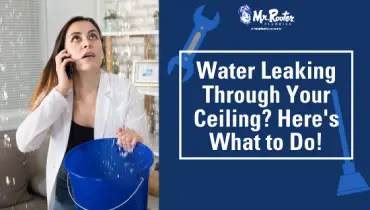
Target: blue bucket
<point>103,176</point>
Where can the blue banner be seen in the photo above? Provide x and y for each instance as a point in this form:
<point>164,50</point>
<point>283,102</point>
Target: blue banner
<point>263,105</point>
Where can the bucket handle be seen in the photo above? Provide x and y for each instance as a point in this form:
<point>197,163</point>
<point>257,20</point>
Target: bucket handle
<point>70,194</point>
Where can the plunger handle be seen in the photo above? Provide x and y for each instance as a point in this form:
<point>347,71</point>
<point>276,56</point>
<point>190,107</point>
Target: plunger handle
<point>342,133</point>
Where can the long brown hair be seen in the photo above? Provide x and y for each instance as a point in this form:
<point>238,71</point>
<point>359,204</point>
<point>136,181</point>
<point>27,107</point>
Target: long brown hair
<point>49,78</point>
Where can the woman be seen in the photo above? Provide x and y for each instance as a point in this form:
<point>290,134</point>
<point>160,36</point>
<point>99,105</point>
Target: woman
<point>92,104</point>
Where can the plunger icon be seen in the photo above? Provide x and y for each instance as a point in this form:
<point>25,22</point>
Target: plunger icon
<point>351,181</point>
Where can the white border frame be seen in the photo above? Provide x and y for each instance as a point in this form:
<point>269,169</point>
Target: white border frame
<point>146,84</point>
<point>265,158</point>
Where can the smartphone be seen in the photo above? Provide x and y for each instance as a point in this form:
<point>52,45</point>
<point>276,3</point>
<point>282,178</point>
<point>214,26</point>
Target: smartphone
<point>69,68</point>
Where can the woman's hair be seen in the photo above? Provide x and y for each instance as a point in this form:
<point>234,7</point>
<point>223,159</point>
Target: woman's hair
<point>49,78</point>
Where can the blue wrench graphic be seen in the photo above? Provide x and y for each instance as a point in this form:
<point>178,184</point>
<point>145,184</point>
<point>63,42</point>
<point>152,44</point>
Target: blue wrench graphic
<point>202,26</point>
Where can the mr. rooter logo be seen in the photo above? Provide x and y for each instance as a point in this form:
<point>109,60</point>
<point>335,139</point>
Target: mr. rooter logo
<point>273,19</point>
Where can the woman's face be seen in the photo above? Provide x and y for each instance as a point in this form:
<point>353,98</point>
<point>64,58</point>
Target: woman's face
<point>84,44</point>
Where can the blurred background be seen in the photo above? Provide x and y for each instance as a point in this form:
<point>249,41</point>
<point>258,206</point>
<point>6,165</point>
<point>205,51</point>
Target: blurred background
<point>28,29</point>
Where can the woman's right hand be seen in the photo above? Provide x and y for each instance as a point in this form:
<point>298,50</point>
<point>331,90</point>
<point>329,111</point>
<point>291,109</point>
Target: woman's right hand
<point>64,84</point>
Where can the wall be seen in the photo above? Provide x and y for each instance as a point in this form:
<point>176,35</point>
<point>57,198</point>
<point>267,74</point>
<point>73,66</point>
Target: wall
<point>136,16</point>
<point>58,13</point>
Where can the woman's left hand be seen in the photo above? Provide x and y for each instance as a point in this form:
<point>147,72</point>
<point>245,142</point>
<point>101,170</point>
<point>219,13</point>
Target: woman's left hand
<point>127,138</point>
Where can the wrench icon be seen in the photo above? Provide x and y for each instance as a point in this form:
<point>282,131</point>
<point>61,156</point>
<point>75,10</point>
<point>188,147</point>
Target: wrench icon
<point>202,26</point>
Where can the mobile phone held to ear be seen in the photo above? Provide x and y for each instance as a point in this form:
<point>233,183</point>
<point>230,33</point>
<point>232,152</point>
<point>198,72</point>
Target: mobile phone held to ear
<point>69,68</point>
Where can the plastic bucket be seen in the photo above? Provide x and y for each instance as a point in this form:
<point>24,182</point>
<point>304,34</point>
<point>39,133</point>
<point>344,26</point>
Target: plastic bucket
<point>103,176</point>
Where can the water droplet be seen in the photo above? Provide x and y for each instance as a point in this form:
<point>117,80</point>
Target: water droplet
<point>5,95</point>
<point>124,154</point>
<point>6,141</point>
<point>7,180</point>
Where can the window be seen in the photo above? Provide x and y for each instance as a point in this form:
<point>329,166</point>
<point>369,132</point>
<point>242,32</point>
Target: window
<point>22,57</point>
